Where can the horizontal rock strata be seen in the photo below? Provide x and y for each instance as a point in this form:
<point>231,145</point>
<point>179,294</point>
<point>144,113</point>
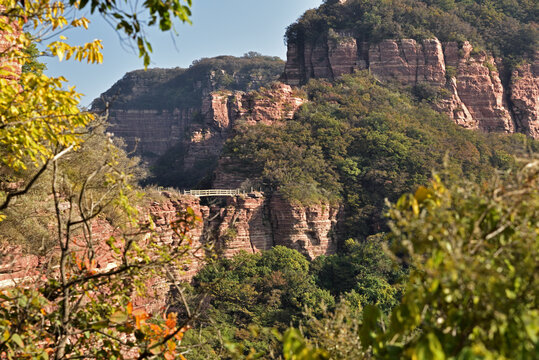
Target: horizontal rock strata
<point>474,98</point>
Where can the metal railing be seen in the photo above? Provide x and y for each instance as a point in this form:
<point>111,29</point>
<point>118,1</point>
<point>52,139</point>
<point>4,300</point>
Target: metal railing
<point>214,192</point>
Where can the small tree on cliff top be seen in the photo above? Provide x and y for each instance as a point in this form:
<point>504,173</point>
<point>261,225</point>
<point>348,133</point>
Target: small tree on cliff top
<point>79,310</point>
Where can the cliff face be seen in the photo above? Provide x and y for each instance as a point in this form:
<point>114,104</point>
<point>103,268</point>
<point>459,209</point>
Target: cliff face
<point>474,95</point>
<point>222,110</point>
<point>312,230</point>
<point>524,96</point>
<point>158,106</point>
<point>177,120</point>
<point>250,223</point>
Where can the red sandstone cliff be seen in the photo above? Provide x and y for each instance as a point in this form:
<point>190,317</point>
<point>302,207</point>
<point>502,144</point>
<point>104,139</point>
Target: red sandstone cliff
<point>199,133</point>
<point>476,97</point>
<point>250,223</point>
<point>222,110</point>
<point>524,95</point>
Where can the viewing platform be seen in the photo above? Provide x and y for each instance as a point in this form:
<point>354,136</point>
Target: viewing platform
<point>214,192</point>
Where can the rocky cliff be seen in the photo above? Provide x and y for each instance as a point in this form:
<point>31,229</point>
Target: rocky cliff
<point>157,109</point>
<point>468,83</point>
<point>177,119</point>
<point>250,223</point>
<point>221,112</point>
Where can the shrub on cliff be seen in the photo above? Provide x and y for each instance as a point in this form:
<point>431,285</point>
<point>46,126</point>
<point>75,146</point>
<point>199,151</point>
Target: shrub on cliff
<point>168,89</point>
<point>362,272</point>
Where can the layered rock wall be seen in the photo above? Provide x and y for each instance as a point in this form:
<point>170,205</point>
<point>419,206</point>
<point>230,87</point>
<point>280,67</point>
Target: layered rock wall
<point>250,223</point>
<point>475,96</point>
<point>199,133</point>
<point>150,133</point>
<point>222,110</point>
<point>524,96</point>
<point>312,230</point>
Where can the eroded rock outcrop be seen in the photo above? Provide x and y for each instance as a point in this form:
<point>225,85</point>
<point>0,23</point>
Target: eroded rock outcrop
<point>242,225</point>
<point>473,93</point>
<point>312,230</point>
<point>158,109</point>
<point>408,62</point>
<point>221,111</point>
<point>524,90</point>
<point>191,139</point>
<point>250,222</point>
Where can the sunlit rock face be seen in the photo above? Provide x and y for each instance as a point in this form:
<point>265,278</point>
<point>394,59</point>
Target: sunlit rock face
<point>524,91</point>
<point>474,95</point>
<point>251,222</point>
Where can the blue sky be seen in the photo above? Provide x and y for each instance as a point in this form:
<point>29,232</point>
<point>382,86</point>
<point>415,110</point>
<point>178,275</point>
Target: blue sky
<point>231,27</point>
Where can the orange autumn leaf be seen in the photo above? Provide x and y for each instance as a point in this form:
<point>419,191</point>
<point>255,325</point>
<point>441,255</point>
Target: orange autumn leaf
<point>171,346</point>
<point>156,329</point>
<point>130,308</point>
<point>78,262</point>
<point>140,317</point>
<point>171,321</point>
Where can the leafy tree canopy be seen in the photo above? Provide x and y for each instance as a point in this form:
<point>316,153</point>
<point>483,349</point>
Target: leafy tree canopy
<point>508,28</point>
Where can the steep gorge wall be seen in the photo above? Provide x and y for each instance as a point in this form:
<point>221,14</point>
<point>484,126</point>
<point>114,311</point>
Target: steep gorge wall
<point>222,110</point>
<point>475,96</point>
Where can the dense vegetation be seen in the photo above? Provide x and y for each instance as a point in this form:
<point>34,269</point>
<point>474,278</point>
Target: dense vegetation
<point>508,28</point>
<point>167,89</point>
<point>28,220</point>
<point>359,142</point>
<point>460,282</point>
<point>273,289</point>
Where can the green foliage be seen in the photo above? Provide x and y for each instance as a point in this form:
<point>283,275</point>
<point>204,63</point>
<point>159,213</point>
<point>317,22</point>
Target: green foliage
<point>167,89</point>
<point>31,64</point>
<point>362,272</point>
<point>295,347</point>
<point>28,219</point>
<point>472,292</point>
<point>450,72</point>
<point>269,289</point>
<point>337,332</point>
<point>359,142</point>
<point>252,293</point>
<point>508,28</point>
